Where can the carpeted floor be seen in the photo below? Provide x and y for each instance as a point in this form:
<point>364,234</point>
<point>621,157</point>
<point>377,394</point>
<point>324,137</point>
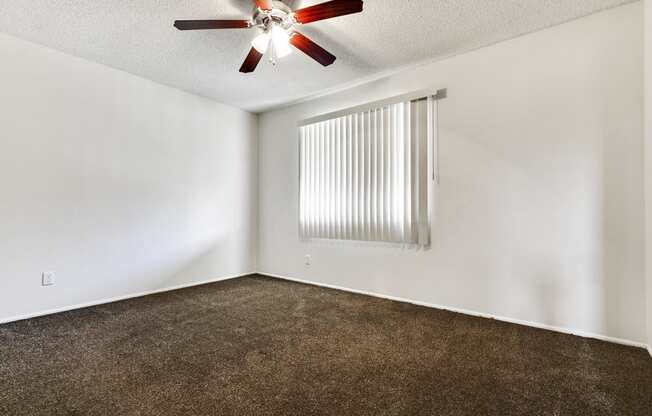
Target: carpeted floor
<point>260,346</point>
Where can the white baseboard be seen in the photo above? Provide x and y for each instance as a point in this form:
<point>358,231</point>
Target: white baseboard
<point>117,299</point>
<point>361,292</point>
<point>469,312</point>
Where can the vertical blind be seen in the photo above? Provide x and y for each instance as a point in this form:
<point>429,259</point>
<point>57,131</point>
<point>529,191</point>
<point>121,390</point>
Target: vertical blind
<point>368,176</point>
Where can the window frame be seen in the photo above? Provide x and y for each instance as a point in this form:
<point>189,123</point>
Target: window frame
<point>431,149</point>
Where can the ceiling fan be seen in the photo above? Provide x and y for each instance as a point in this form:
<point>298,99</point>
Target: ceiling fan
<point>278,23</point>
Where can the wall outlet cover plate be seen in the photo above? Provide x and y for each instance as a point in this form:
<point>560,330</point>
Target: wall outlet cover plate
<point>47,279</point>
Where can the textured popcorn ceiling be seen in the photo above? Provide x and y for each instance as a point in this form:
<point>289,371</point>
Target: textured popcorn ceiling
<point>137,36</point>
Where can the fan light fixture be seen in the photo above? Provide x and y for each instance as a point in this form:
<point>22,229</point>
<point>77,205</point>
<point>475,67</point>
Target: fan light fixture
<point>261,42</point>
<point>279,40</point>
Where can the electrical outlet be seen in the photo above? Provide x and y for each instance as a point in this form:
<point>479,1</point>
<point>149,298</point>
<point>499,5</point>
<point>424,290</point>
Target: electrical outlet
<point>308,259</point>
<point>47,279</point>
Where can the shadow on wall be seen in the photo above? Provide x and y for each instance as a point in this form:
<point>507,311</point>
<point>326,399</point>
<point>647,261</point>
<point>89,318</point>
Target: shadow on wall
<point>221,255</point>
<point>622,238</point>
<point>549,216</point>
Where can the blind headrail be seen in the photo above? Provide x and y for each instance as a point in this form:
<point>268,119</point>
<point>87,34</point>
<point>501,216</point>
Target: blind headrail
<point>413,96</point>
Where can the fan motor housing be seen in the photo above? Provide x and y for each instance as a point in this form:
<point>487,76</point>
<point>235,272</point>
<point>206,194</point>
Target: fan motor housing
<point>280,14</point>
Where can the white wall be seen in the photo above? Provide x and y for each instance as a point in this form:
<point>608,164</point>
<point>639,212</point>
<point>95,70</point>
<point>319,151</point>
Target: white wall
<point>541,197</point>
<point>118,184</point>
<point>648,164</point>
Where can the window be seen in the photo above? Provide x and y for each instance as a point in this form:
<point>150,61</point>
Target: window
<point>368,174</point>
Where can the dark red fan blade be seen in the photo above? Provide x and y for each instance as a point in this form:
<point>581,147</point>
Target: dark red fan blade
<point>264,4</point>
<point>251,61</point>
<point>211,24</point>
<point>328,10</point>
<point>311,49</point>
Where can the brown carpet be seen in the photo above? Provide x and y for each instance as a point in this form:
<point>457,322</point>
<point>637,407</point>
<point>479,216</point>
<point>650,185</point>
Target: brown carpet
<point>260,346</point>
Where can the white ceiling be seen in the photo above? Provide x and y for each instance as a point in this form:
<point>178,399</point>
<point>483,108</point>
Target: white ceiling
<point>137,36</point>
